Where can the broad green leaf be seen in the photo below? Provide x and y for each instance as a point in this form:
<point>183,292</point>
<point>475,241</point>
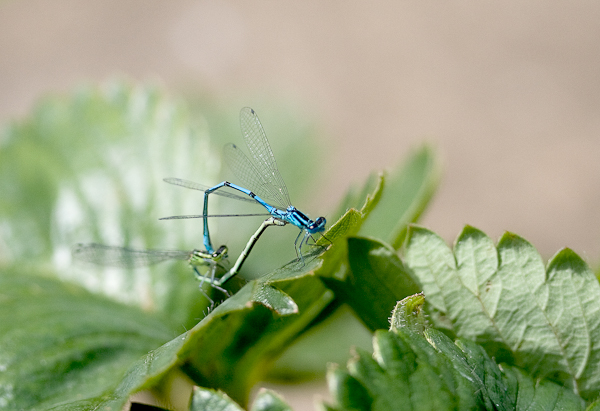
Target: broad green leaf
<point>106,366</point>
<point>405,194</point>
<point>235,354</point>
<point>426,371</point>
<point>224,349</point>
<point>88,167</point>
<point>376,281</point>
<point>58,342</point>
<point>544,319</point>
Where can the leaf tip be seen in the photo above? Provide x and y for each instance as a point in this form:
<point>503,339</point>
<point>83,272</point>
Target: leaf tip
<point>272,298</point>
<point>566,257</point>
<point>409,313</point>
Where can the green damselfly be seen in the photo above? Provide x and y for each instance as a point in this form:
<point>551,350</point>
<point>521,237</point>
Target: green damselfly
<point>116,256</point>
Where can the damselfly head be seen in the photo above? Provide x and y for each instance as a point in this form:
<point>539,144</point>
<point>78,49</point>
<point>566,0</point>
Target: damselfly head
<point>317,226</point>
<point>220,254</point>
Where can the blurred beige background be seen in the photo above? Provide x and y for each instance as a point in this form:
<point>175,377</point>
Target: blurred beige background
<point>509,92</point>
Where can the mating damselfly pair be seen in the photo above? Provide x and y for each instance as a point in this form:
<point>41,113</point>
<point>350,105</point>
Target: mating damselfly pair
<point>261,184</point>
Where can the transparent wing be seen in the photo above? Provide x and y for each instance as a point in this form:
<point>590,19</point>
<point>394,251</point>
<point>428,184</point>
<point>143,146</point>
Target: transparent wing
<point>185,217</point>
<point>196,186</point>
<point>252,178</point>
<point>106,255</point>
<point>260,150</point>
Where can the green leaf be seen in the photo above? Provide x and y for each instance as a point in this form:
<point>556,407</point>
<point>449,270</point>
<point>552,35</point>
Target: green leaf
<point>204,399</point>
<point>59,342</point>
<point>273,299</point>
<point>88,167</point>
<point>545,320</point>
<point>398,378</point>
<point>405,195</point>
<point>347,392</point>
<point>90,358</point>
<point>347,225</point>
<point>595,406</point>
<point>235,354</point>
<point>334,271</point>
<point>268,400</point>
<point>543,395</point>
<point>356,197</point>
<point>408,313</point>
<point>321,344</point>
<point>376,281</point>
<point>426,371</point>
<point>327,341</point>
<point>335,266</point>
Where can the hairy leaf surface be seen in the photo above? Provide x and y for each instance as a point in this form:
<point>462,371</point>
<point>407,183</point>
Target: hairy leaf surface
<point>425,370</point>
<point>544,319</point>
